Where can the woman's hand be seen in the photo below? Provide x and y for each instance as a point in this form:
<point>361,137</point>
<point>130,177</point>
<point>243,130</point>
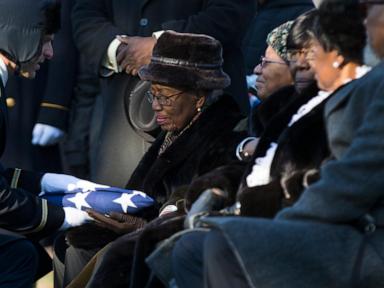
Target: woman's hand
<point>118,222</point>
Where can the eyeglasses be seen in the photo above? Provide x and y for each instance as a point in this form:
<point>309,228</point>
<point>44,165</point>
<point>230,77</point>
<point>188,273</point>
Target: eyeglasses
<point>161,99</point>
<point>264,61</point>
<point>294,55</point>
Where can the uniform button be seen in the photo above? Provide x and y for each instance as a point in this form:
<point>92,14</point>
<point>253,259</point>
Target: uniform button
<point>143,22</point>
<point>11,102</point>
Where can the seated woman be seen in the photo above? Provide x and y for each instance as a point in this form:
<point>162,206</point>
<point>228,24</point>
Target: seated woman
<point>267,185</point>
<point>266,261</point>
<point>197,120</point>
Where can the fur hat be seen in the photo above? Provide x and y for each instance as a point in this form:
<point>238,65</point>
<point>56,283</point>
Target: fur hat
<point>187,60</point>
<point>277,39</point>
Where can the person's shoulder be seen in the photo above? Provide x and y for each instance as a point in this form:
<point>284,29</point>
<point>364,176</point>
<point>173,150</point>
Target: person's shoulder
<point>370,84</point>
<point>375,75</point>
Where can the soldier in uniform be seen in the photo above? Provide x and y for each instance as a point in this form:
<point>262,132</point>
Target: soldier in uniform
<point>26,33</point>
<point>38,109</point>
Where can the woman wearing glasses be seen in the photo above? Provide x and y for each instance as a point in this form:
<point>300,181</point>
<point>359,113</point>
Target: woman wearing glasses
<point>197,122</point>
<point>273,70</point>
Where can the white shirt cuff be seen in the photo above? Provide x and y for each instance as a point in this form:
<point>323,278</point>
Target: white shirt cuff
<point>157,34</point>
<point>110,61</point>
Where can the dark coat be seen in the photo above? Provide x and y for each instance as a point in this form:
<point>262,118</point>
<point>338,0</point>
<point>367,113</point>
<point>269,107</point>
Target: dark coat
<point>207,144</point>
<point>21,210</point>
<point>84,123</point>
<point>97,22</point>
<point>332,215</point>
<point>268,16</point>
<point>301,147</point>
<point>45,100</point>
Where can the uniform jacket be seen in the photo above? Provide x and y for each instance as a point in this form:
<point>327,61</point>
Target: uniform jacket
<point>45,100</point>
<point>333,214</point>
<point>21,210</point>
<point>96,24</point>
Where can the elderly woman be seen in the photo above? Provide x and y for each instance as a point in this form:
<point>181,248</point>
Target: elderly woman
<point>317,242</point>
<point>282,77</point>
<point>197,120</point>
<point>272,77</point>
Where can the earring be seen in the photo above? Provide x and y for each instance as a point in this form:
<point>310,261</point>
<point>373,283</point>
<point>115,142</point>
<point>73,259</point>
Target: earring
<point>335,64</point>
<point>199,109</point>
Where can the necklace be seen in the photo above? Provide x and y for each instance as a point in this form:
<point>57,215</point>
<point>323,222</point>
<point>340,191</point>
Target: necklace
<point>170,137</point>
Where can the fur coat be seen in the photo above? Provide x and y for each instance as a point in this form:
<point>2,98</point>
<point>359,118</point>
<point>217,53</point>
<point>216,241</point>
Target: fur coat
<point>209,143</point>
<point>302,148</point>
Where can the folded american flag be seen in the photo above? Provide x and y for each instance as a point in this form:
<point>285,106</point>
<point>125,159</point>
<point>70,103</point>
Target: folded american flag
<point>103,200</point>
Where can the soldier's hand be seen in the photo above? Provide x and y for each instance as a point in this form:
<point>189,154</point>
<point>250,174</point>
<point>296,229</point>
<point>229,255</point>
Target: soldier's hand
<point>46,135</point>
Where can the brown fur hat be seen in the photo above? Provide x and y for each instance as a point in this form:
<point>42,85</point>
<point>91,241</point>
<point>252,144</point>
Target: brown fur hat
<point>187,60</point>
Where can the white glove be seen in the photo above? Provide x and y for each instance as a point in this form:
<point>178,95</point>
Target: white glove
<point>74,217</point>
<point>45,135</point>
<point>61,183</point>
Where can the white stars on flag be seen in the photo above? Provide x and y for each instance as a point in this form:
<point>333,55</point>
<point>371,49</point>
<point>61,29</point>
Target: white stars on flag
<point>79,200</point>
<point>126,201</point>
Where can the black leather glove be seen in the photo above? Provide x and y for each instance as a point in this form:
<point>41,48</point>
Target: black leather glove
<point>118,222</point>
<point>261,201</point>
<point>226,178</point>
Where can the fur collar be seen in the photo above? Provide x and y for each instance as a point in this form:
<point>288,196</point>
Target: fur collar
<point>278,124</point>
<point>266,110</point>
<point>280,120</point>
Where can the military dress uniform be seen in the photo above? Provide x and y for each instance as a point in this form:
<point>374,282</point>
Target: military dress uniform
<point>23,213</point>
